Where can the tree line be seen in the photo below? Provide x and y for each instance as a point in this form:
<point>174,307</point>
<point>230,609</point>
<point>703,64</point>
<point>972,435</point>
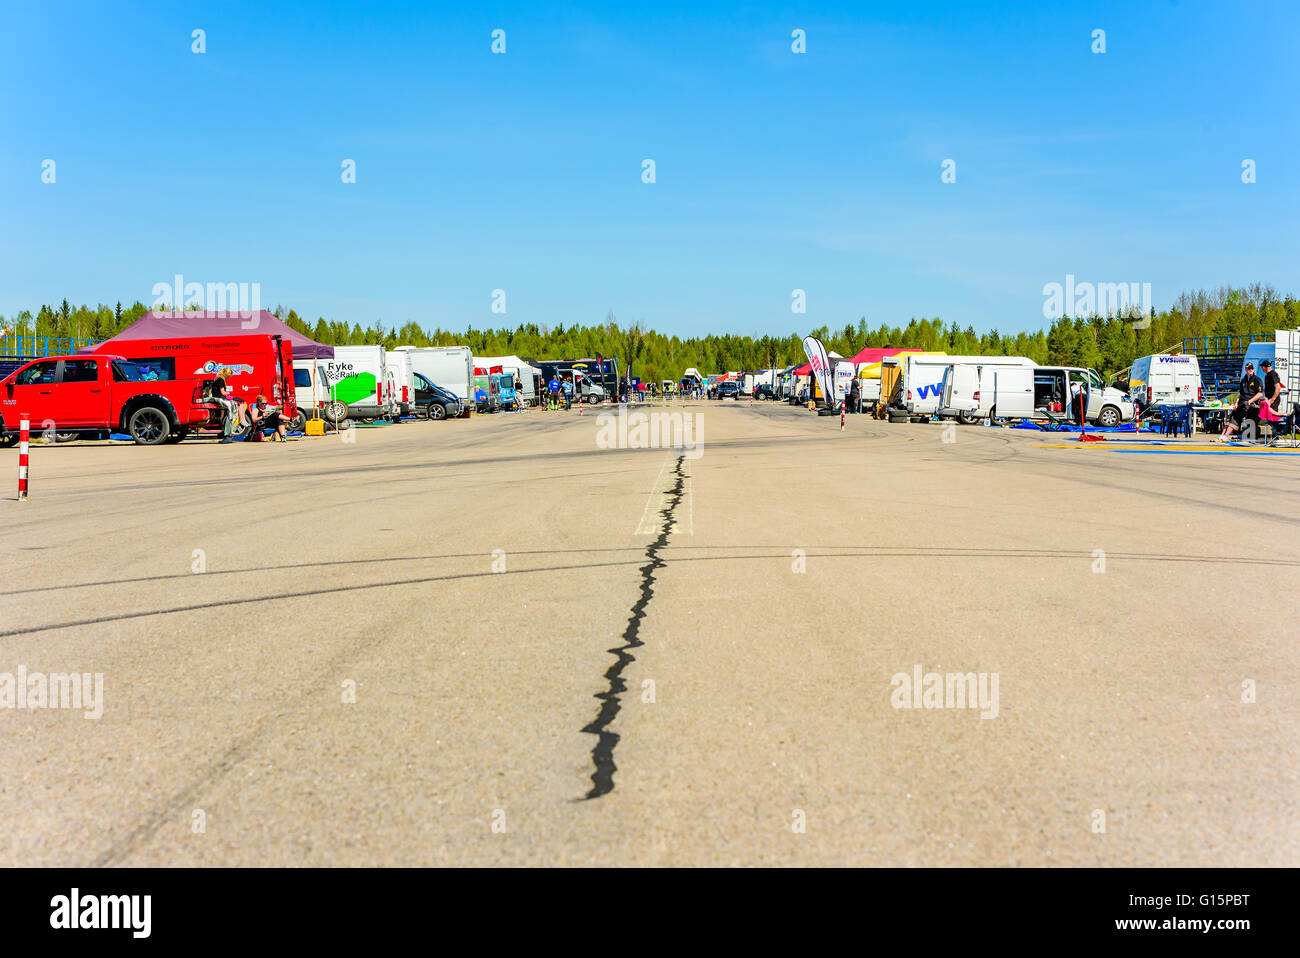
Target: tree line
<point>1107,344</point>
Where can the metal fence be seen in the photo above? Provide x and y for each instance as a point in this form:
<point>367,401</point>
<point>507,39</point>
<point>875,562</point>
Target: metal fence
<point>32,347</point>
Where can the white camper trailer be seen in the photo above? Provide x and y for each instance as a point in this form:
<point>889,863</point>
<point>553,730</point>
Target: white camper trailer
<point>451,367</point>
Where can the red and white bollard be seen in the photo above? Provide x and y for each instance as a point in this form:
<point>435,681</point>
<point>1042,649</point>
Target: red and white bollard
<point>841,418</point>
<point>24,434</point>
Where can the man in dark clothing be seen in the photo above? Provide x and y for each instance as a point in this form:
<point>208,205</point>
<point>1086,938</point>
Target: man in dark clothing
<point>1249,395</point>
<point>1272,386</point>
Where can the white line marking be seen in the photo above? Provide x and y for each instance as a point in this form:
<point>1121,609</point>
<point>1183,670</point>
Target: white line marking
<point>651,521</point>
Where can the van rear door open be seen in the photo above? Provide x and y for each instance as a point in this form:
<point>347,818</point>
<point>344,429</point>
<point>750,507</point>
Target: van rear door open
<point>1013,392</point>
<point>961,382</point>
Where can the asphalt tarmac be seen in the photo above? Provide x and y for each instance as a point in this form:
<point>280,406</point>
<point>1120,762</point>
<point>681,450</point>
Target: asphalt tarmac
<point>501,641</point>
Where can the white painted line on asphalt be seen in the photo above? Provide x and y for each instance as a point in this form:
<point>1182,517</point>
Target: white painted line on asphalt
<point>651,521</point>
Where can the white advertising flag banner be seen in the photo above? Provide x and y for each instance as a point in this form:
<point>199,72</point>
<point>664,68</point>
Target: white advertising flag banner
<point>821,367</point>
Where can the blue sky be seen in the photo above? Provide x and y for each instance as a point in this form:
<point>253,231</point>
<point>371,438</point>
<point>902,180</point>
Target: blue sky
<point>522,171</point>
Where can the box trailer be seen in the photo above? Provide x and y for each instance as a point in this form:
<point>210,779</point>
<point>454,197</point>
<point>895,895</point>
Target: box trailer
<point>451,367</point>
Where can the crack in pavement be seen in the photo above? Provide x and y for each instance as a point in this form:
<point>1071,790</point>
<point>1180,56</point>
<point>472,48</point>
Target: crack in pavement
<point>602,753</point>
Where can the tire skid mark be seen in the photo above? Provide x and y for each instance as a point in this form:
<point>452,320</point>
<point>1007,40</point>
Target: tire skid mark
<point>602,753</point>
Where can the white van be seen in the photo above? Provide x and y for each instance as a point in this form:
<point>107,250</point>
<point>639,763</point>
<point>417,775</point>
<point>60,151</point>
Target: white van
<point>1043,392</point>
<point>451,367</point>
<point>1163,379</point>
<point>966,392</point>
<point>355,384</point>
<point>403,377</point>
<point>921,385</point>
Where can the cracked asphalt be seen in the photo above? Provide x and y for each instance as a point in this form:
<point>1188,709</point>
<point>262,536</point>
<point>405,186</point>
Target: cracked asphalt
<point>496,642</point>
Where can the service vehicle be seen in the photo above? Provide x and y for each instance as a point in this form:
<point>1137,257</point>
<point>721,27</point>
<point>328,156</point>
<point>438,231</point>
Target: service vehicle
<point>353,385</point>
<point>258,364</point>
<point>451,367</point>
<point>434,402</point>
<point>1043,393</point>
<point>403,376</point>
<point>919,388</point>
<point>1162,379</point>
<point>95,396</point>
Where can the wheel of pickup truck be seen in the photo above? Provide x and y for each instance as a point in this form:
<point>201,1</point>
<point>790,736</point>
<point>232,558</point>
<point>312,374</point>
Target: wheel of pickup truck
<point>177,436</point>
<point>149,426</point>
<point>336,411</point>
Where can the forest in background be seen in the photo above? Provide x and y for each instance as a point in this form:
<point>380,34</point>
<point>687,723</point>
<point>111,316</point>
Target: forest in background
<point>1107,344</point>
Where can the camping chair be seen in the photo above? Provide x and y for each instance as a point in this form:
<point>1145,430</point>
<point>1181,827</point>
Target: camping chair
<point>1282,432</point>
<point>1176,420</point>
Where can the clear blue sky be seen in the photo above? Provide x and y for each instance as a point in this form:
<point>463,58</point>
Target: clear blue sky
<point>775,171</point>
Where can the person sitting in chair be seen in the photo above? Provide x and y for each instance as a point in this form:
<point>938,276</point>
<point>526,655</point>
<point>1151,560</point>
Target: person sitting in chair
<point>266,421</point>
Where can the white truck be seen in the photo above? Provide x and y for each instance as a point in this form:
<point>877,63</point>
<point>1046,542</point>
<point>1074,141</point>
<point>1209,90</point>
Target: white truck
<point>451,367</point>
<point>355,384</point>
<point>1164,379</point>
<point>1043,393</point>
<point>921,382</point>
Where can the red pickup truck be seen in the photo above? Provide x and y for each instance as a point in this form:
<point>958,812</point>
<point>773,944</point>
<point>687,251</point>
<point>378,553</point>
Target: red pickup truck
<point>90,397</point>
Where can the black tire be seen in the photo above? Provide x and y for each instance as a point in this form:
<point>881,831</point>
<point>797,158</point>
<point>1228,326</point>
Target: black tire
<point>299,422</point>
<point>66,436</point>
<point>968,418</point>
<point>178,435</point>
<point>435,411</point>
<point>1108,417</point>
<point>8,439</point>
<point>993,417</point>
<point>336,411</point>
<point>898,417</point>
<point>149,426</point>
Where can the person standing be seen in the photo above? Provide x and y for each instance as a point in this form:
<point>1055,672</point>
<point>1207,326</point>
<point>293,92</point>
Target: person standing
<point>567,386</point>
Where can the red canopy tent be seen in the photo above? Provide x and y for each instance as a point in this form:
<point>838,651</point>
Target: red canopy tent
<point>186,325</point>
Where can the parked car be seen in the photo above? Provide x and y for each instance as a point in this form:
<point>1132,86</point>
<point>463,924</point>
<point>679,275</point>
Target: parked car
<point>764,391</point>
<point>91,397</point>
<point>728,390</point>
<point>434,402</point>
